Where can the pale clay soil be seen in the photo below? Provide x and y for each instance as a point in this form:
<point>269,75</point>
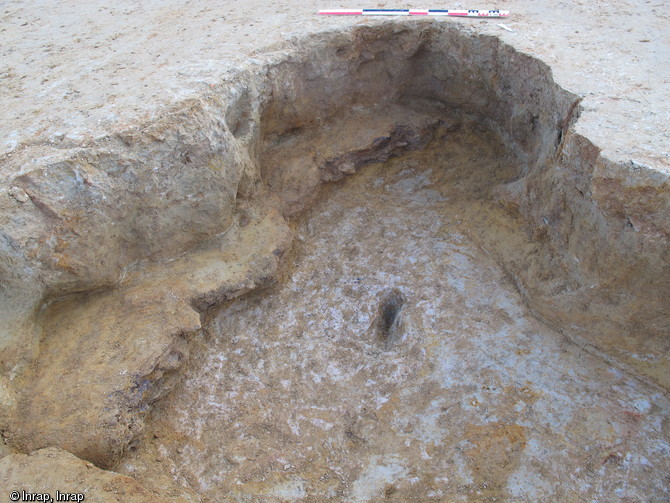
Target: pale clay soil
<point>293,396</point>
<point>476,400</point>
<point>72,71</point>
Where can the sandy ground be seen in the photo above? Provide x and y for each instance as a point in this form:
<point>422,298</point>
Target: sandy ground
<point>295,397</point>
<point>71,71</point>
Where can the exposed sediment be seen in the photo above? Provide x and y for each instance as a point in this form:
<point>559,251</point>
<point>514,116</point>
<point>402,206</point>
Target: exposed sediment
<point>399,362</point>
<point>112,252</point>
<point>39,474</point>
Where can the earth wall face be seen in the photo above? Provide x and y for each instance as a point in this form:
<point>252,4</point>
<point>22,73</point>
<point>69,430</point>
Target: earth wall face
<point>115,230</point>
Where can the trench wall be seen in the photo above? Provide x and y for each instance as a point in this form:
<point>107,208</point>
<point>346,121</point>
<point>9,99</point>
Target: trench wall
<point>82,220</point>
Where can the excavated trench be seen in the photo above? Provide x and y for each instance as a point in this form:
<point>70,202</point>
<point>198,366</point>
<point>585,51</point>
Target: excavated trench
<point>400,362</point>
<point>415,283</point>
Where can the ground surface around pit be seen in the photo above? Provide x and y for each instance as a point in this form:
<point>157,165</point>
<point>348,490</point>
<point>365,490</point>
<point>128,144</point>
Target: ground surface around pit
<point>294,395</point>
<point>73,71</point>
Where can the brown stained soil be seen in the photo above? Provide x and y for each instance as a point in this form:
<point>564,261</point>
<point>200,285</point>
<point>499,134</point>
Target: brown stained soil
<point>291,395</point>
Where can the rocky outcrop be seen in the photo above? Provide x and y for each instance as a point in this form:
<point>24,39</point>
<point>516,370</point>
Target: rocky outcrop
<point>111,251</point>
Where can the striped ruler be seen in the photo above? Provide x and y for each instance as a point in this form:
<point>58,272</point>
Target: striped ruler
<point>415,12</point>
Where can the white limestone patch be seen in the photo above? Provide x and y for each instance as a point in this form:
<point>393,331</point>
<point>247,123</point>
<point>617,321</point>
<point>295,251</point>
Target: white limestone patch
<point>378,473</point>
<point>291,490</point>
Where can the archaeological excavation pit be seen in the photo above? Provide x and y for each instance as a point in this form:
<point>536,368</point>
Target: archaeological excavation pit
<point>378,264</point>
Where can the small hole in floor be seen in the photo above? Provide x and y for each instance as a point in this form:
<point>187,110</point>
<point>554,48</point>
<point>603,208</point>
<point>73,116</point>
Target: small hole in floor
<point>388,316</point>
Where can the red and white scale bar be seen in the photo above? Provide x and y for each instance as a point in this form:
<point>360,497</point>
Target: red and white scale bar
<point>415,12</point>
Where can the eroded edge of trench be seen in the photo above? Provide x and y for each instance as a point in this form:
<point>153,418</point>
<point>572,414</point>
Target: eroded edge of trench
<point>159,219</point>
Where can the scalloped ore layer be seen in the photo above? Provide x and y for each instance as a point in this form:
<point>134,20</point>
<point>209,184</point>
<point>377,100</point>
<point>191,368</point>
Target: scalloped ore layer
<point>112,252</point>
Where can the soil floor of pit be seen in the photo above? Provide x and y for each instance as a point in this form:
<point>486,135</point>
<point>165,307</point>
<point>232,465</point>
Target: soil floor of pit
<point>292,396</point>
